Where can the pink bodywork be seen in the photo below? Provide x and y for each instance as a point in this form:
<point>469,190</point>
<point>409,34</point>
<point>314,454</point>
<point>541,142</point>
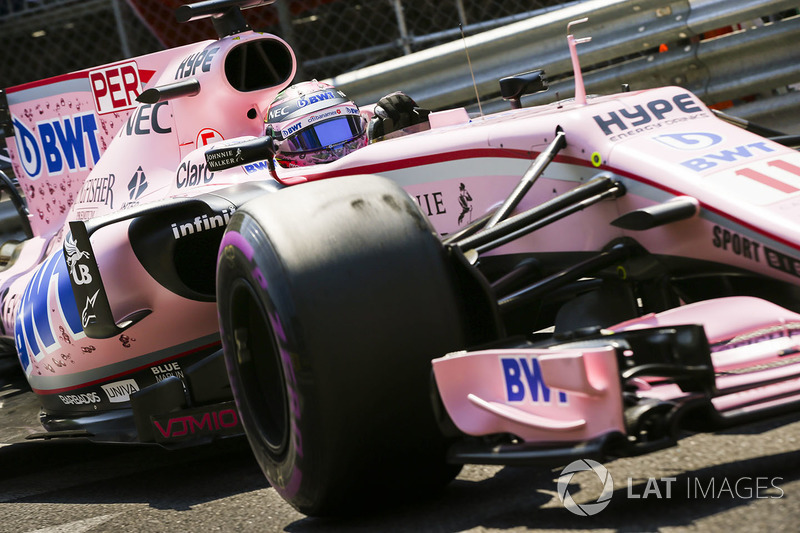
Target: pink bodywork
<point>660,144</point>
<point>549,396</point>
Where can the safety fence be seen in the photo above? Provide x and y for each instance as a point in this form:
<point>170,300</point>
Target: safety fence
<point>741,53</point>
<point>43,38</point>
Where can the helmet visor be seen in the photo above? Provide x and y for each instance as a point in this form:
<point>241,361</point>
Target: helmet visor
<point>326,133</point>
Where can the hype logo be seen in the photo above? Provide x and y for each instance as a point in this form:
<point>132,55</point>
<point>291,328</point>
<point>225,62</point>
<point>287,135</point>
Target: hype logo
<point>689,141</point>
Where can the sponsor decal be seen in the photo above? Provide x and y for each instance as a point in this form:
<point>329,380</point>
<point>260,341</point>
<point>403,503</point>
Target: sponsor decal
<point>431,203</point>
<point>734,155</point>
<point>79,272</point>
<point>324,115</point>
<point>727,240</point>
<point>62,143</point>
<point>145,119</point>
<point>646,117</point>
<point>201,223</point>
<point>162,372</point>
<point>88,315</point>
<point>259,166</point>
<point>208,136</point>
<point>190,175</point>
<point>291,129</point>
<point>85,214</point>
<point>137,185</point>
<point>98,190</point>
<point>34,331</point>
<point>120,391</point>
<point>689,141</point>
<point>319,97</point>
<point>222,159</point>
<point>115,88</point>
<point>291,107</point>
<point>80,399</point>
<point>465,202</point>
<point>217,420</point>
<point>782,262</point>
<point>199,62</point>
<point>524,382</point>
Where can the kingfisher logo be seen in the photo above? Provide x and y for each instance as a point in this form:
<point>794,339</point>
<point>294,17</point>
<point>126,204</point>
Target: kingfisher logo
<point>57,145</point>
<point>34,330</point>
<point>689,141</point>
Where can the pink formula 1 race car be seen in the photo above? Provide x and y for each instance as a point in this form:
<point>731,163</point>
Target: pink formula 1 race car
<point>585,279</point>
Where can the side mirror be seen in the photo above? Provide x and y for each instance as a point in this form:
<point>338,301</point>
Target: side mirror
<point>513,87</point>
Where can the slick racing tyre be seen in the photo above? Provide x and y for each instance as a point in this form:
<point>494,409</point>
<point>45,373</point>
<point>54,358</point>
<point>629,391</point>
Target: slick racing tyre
<point>333,298</point>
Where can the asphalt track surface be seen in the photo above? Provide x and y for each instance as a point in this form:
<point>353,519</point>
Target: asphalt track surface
<point>743,479</point>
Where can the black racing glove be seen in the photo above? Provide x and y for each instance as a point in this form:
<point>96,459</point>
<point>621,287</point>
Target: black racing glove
<point>394,112</point>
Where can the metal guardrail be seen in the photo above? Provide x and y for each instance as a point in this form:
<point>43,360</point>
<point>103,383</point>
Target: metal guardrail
<point>761,59</point>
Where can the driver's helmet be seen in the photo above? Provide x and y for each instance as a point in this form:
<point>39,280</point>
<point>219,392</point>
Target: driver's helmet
<point>313,122</point>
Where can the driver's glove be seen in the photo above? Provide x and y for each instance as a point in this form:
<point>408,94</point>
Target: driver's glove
<point>394,112</point>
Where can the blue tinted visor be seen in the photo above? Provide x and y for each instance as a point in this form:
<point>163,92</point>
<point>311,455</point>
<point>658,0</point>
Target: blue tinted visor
<point>326,133</point>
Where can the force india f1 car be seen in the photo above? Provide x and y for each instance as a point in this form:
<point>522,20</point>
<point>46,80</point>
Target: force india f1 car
<point>588,278</point>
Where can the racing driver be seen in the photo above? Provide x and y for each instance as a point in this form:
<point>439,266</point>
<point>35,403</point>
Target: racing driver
<point>313,122</point>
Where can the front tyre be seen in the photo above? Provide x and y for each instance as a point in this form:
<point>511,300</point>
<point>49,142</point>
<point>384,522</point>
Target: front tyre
<point>333,298</point>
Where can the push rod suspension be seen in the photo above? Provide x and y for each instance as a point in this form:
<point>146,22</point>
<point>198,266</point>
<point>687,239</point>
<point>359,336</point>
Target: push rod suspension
<point>529,178</point>
<point>599,188</point>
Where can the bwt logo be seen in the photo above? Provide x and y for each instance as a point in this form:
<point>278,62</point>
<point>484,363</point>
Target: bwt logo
<point>523,380</point>
<point>689,141</point>
<point>65,142</point>
<point>734,155</point>
<point>316,98</point>
<point>291,129</point>
<point>115,88</point>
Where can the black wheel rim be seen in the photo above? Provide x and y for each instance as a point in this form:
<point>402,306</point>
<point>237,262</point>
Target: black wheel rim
<point>260,369</point>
